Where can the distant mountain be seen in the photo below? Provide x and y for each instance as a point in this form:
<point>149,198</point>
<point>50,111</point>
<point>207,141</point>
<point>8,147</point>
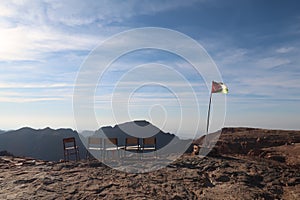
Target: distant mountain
<point>2,131</point>
<point>139,129</point>
<point>45,144</point>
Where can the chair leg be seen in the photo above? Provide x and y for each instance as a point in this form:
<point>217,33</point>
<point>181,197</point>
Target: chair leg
<point>87,155</point>
<point>102,154</point>
<point>65,156</point>
<point>77,155</point>
<point>105,155</point>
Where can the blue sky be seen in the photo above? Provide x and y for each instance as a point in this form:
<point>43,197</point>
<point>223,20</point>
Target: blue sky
<point>255,45</point>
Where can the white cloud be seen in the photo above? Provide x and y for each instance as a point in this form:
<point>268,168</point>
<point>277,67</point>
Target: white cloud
<point>34,85</point>
<point>74,13</point>
<point>248,90</point>
<point>6,11</point>
<point>270,62</point>
<point>29,43</point>
<point>43,95</point>
<point>285,49</point>
<point>35,92</point>
<point>232,56</point>
<point>26,100</point>
<point>29,29</point>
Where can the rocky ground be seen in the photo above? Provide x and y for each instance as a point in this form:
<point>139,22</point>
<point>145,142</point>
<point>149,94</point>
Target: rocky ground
<point>246,164</point>
<point>187,178</point>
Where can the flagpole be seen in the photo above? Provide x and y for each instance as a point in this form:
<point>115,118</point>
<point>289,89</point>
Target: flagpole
<point>216,87</point>
<point>208,113</point>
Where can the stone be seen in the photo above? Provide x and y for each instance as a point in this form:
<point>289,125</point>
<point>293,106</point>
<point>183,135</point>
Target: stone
<point>223,178</point>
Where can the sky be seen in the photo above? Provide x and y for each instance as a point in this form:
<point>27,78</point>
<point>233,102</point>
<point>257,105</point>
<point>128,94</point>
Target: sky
<point>254,44</point>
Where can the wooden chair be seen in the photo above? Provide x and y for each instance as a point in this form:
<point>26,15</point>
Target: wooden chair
<point>149,144</point>
<point>70,148</point>
<point>132,144</point>
<point>95,144</point>
<point>111,145</point>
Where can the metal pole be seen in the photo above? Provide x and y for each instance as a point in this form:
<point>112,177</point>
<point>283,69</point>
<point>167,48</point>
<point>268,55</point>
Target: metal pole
<point>208,113</point>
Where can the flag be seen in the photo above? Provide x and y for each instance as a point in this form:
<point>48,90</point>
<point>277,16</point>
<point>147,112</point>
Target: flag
<point>218,87</point>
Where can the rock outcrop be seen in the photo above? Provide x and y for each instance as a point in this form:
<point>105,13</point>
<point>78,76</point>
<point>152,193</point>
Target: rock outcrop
<point>278,145</point>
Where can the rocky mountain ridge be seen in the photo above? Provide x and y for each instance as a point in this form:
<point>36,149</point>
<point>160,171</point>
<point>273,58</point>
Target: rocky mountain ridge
<point>46,144</point>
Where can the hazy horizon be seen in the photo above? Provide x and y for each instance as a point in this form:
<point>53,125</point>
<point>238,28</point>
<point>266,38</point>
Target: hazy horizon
<point>181,136</point>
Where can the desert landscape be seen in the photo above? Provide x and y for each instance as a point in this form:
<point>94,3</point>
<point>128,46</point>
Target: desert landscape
<point>139,99</point>
<point>246,163</point>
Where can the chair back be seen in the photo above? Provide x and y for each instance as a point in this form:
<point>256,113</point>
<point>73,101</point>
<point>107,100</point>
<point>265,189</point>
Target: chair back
<point>149,141</point>
<point>70,148</point>
<point>111,142</point>
<point>132,141</point>
<point>149,144</point>
<point>69,142</point>
<point>94,141</point>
